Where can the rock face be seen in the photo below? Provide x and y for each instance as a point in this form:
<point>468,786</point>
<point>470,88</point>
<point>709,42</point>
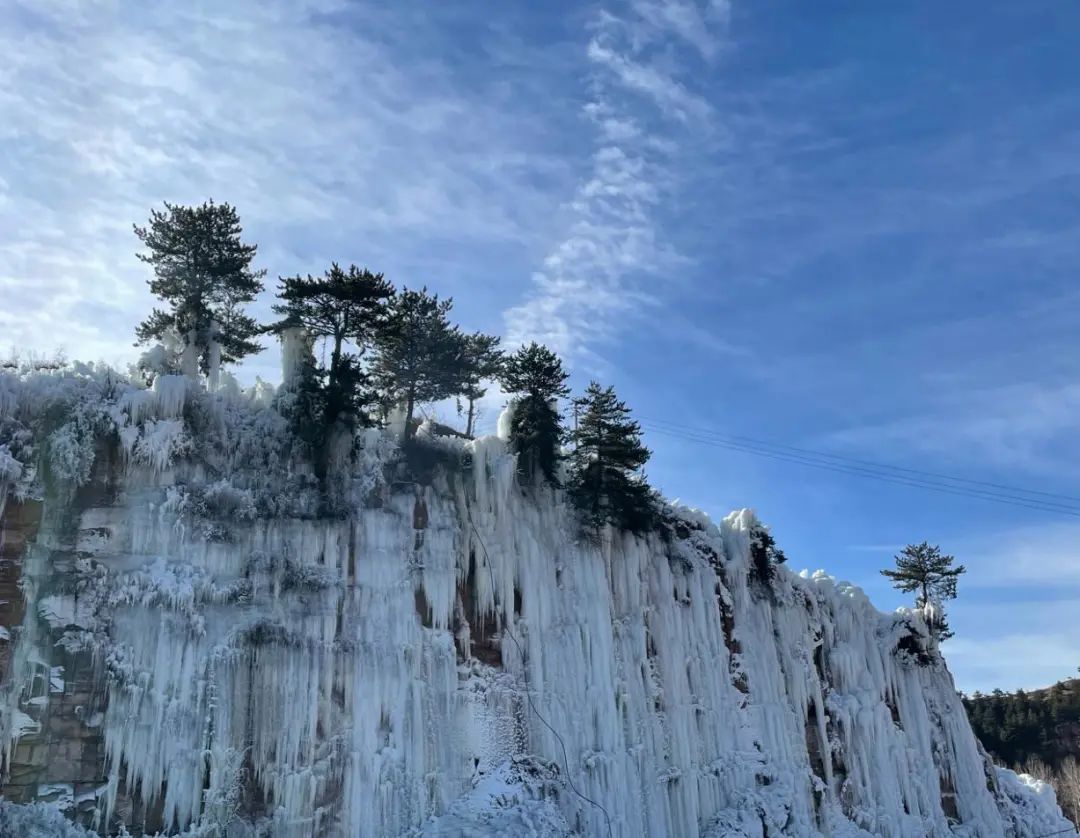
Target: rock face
<point>446,656</point>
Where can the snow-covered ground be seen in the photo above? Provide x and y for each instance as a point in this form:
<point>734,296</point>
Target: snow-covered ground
<point>447,656</point>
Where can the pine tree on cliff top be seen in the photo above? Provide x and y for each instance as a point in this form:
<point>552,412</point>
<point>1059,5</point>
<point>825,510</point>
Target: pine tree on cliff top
<point>418,353</point>
<point>345,308</point>
<point>203,273</point>
<point>606,484</point>
<point>926,571</point>
<point>535,375</point>
<point>482,361</point>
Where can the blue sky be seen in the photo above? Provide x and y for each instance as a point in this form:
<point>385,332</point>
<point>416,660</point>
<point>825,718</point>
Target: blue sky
<point>838,225</point>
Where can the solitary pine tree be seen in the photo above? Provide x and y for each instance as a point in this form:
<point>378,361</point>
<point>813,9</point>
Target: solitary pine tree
<point>605,480</point>
<point>341,308</point>
<point>202,271</point>
<point>535,375</point>
<point>481,361</point>
<point>924,569</point>
<point>418,353</point>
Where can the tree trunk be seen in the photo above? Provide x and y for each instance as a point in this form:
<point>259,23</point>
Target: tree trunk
<point>335,358</point>
<point>469,421</point>
<point>334,384</point>
<point>410,404</point>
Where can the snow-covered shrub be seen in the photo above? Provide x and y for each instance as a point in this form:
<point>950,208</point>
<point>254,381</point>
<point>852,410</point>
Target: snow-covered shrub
<point>160,359</point>
<point>177,585</point>
<point>214,501</point>
<point>227,500</point>
<point>71,453</point>
<point>298,496</point>
<point>37,820</point>
<point>10,468</point>
<point>54,414</point>
<point>161,443</point>
<point>59,414</point>
<point>519,797</point>
<point>224,799</point>
<point>288,574</point>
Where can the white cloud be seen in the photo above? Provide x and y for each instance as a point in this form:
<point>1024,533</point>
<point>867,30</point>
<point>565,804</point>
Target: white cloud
<point>336,136</point>
<point>686,20</point>
<point>666,92</point>
<point>1013,661</point>
<point>591,280</point>
<point>1033,556</point>
<point>1007,425</point>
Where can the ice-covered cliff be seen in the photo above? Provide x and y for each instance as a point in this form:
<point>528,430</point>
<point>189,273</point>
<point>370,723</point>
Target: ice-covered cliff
<point>200,637</point>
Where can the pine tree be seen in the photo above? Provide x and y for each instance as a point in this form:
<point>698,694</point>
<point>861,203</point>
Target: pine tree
<point>605,480</point>
<point>418,353</point>
<point>338,307</point>
<point>481,362</point>
<point>764,554</point>
<point>924,569</point>
<point>303,403</point>
<point>202,270</point>
<point>535,375</point>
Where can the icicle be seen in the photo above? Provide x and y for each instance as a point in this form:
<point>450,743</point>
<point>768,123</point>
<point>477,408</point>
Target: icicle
<point>171,395</point>
<point>506,417</point>
<point>453,656</point>
<point>189,359</point>
<point>296,353</point>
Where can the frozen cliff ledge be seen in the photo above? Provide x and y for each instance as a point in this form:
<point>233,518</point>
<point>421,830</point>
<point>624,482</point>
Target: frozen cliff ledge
<point>202,639</point>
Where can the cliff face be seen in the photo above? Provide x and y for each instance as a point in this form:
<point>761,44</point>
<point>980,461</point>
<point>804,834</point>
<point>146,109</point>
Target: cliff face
<point>446,656</point>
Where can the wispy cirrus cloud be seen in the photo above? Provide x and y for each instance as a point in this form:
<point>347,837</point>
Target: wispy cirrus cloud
<point>643,114</point>
<point>1015,616</point>
<point>1026,557</point>
<point>1013,425</point>
<point>333,129</point>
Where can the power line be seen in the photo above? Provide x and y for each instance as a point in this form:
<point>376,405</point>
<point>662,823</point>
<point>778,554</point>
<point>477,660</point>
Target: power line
<point>1071,829</point>
<point>525,677</point>
<point>900,480</point>
<point>868,472</point>
<point>855,460</point>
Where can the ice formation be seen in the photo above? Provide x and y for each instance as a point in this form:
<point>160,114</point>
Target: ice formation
<point>435,651</point>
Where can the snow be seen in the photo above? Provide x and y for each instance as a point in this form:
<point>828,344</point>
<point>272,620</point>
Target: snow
<point>1031,804</point>
<point>171,395</point>
<point>38,820</point>
<point>516,800</point>
<point>189,358</point>
<point>161,442</point>
<point>505,420</point>
<point>10,468</point>
<point>296,351</point>
<point>393,668</point>
<point>262,393</point>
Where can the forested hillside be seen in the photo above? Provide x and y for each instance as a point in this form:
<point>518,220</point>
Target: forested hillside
<point>1037,732</point>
